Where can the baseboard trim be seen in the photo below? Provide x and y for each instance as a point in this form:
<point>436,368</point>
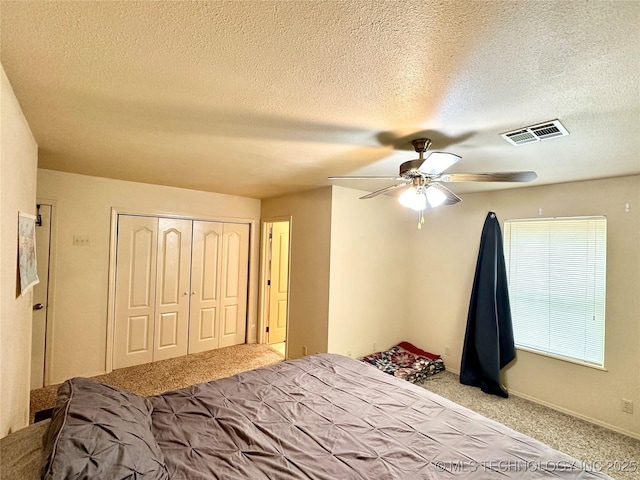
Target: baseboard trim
<point>586,418</point>
<point>87,375</point>
<point>566,411</point>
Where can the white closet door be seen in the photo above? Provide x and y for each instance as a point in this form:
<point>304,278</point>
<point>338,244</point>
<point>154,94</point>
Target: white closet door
<point>235,270</point>
<point>135,290</point>
<point>172,288</point>
<point>204,328</point>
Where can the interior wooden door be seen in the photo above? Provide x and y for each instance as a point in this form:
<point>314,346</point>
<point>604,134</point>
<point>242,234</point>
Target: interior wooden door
<point>234,281</point>
<point>279,282</point>
<point>173,291</point>
<point>40,298</point>
<point>204,329</point>
<point>135,290</point>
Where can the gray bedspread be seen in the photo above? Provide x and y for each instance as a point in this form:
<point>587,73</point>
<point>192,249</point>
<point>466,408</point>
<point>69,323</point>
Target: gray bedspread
<point>334,418</point>
<point>21,453</point>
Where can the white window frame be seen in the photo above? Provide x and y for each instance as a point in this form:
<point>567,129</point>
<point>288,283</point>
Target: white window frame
<point>556,268</point>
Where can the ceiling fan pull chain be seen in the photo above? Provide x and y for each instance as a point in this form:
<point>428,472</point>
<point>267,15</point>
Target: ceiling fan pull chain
<point>420,219</point>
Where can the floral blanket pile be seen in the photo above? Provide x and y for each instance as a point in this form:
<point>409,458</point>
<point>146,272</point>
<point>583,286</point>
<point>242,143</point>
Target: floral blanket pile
<point>406,361</point>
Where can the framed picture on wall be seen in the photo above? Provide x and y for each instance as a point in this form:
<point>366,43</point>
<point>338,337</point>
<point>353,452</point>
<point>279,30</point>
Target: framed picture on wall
<point>27,252</point>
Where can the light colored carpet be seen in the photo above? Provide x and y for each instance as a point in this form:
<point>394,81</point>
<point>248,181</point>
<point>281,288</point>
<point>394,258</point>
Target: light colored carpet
<point>174,373</point>
<point>582,440</point>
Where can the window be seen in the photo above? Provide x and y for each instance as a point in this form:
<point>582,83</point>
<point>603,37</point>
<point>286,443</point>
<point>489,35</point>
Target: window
<point>557,271</point>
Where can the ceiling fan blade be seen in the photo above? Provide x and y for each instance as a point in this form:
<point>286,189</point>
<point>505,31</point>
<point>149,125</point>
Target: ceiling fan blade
<point>488,177</point>
<point>451,198</point>
<point>383,190</point>
<point>438,162</point>
<point>367,177</point>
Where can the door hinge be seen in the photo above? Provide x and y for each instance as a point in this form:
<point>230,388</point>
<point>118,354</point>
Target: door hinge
<point>38,216</point>
<point>267,329</point>
<point>268,282</point>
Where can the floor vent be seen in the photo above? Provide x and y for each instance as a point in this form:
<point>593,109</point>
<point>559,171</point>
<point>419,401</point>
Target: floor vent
<point>535,133</point>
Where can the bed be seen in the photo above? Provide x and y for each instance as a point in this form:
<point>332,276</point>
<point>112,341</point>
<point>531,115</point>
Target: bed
<point>320,417</point>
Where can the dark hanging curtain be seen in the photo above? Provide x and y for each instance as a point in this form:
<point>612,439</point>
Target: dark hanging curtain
<point>488,341</point>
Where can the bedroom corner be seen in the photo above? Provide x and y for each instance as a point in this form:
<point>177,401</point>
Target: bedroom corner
<point>452,239</point>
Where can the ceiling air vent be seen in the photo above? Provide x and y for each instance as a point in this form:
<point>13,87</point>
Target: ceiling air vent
<point>535,133</point>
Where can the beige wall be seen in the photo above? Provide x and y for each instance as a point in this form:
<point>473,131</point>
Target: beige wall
<point>450,245</point>
<point>369,272</point>
<point>77,342</point>
<point>18,161</point>
<point>360,274</point>
<point>310,244</point>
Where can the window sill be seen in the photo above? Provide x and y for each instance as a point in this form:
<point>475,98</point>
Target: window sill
<point>564,359</point>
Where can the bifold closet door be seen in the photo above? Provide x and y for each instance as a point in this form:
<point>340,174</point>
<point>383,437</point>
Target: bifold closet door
<point>219,279</point>
<point>181,287</point>
<point>135,290</point>
<point>173,292</point>
<point>204,325</point>
<point>234,275</point>
<point>152,289</point>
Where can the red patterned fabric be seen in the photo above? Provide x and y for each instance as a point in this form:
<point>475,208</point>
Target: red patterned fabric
<point>416,351</point>
<point>406,364</point>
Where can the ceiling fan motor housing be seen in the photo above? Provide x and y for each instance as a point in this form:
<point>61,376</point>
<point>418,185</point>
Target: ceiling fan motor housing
<point>421,145</point>
<point>410,169</point>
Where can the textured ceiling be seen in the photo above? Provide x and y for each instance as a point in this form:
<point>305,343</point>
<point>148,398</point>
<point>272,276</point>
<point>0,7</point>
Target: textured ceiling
<point>265,98</point>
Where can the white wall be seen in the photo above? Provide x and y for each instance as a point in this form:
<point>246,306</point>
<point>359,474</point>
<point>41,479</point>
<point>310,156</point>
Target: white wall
<point>309,245</point>
<point>18,161</point>
<point>439,313</point>
<point>370,286</point>
<point>77,341</point>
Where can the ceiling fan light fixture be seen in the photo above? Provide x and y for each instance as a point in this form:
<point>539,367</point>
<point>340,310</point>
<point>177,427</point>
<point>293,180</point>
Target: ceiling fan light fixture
<point>414,198</point>
<point>435,196</point>
<point>422,178</point>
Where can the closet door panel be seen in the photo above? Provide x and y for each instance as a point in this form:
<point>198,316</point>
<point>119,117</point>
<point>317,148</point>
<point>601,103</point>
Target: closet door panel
<point>204,332</point>
<point>235,270</point>
<point>172,288</point>
<point>168,330</point>
<point>138,330</point>
<point>135,290</point>
<point>207,324</point>
<point>230,322</point>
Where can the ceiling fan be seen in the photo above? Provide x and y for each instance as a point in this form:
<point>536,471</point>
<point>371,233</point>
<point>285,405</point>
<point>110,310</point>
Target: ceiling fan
<point>424,176</point>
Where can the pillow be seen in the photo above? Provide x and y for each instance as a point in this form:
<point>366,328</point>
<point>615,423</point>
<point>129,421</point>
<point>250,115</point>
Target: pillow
<point>100,432</point>
<point>407,362</point>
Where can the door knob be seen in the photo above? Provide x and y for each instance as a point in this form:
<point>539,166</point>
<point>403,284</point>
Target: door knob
<point>38,306</point>
<point>185,293</point>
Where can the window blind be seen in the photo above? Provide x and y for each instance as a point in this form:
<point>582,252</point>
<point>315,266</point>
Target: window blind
<point>556,270</point>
